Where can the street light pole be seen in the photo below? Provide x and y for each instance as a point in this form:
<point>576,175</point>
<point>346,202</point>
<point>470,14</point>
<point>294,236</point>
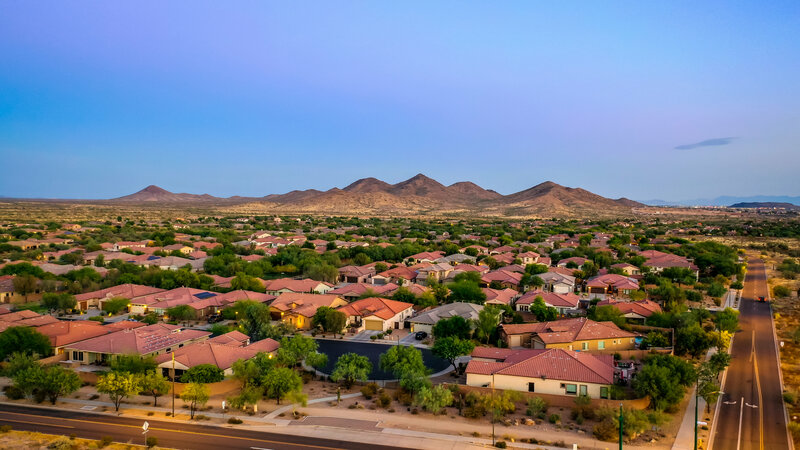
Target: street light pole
<point>621,425</point>
<point>173,384</point>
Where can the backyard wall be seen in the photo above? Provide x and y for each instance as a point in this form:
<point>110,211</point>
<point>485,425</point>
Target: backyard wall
<point>564,401</point>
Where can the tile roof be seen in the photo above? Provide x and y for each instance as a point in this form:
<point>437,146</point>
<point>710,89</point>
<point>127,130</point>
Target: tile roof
<point>465,310</point>
<point>569,330</point>
<point>555,364</point>
<point>140,341</point>
<point>129,291</point>
<point>375,306</point>
<point>67,332</point>
<point>568,300</point>
<point>303,304</point>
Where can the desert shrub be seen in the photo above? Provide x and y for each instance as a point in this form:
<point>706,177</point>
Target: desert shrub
<point>781,291</point>
<point>794,430</point>
<point>105,441</point>
<point>384,400</point>
<point>234,420</point>
<point>537,407</point>
<point>369,390</point>
<point>5,428</point>
<point>151,441</point>
<point>500,444</point>
<point>62,443</point>
<point>554,418</point>
<point>583,408</point>
<point>13,392</point>
<point>789,398</point>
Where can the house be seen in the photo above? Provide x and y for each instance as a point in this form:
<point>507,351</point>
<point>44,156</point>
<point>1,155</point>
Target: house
<point>627,269</point>
<point>399,275</point>
<point>221,351</point>
<point>456,258</point>
<point>8,294</point>
<point>427,257</point>
<point>352,292</point>
<point>543,371</point>
<point>577,261</point>
<point>118,246</point>
<point>24,318</point>
<point>425,321</point>
<point>356,274</point>
<point>528,257</point>
<point>557,282</point>
<point>637,311</point>
<point>658,261</point>
<point>564,303</point>
<point>377,313</point>
<point>161,301</point>
<point>151,340</point>
<point>95,299</point>
<point>499,296</point>
<point>572,334</point>
<point>437,272</point>
<point>298,308</point>
<point>610,284</point>
<point>287,285</point>
<point>504,278</point>
<point>66,332</point>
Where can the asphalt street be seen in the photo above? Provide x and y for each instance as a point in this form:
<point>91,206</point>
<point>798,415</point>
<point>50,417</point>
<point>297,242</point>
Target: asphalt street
<point>751,412</point>
<point>169,434</point>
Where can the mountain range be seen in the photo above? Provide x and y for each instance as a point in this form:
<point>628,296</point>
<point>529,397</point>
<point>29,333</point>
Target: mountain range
<point>725,200</point>
<point>417,195</point>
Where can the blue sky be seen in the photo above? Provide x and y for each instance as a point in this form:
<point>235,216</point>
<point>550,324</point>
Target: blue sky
<point>656,99</point>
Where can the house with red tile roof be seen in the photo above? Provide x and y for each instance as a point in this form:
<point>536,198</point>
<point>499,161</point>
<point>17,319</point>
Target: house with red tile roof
<point>399,275</point>
<point>298,309</point>
<point>658,261</point>
<point>353,291</point>
<point>610,284</point>
<point>577,260</point>
<point>151,340</point>
<point>572,334</point>
<point>428,257</point>
<point>286,285</point>
<point>499,296</point>
<point>629,269</point>
<point>543,371</point>
<point>356,274</point>
<point>637,311</point>
<point>377,313</point>
<point>505,278</point>
<point>557,282</point>
<point>221,351</point>
<point>529,257</point>
<point>95,299</point>
<point>564,303</point>
<point>65,332</point>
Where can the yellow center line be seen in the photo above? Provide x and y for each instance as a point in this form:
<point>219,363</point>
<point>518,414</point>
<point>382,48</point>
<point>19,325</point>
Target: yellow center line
<point>760,397</point>
<point>198,433</point>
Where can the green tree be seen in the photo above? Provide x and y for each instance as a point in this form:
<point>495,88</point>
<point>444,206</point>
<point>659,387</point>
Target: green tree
<point>400,359</point>
<point>727,320</point>
<point>280,381</point>
<point>451,348</point>
<point>57,381</point>
<point>455,326</point>
<point>118,386</point>
<point>250,372</point>
<point>18,362</point>
<point>181,313</point>
<point>24,285</point>
<point>329,319</point>
<point>466,291</point>
<point>487,322</point>
<point>135,364</point>
<point>607,313</point>
<point>351,367</point>
<point>543,312</point>
<point>664,379</point>
<point>154,384</point>
<point>203,373</point>
<point>249,396</point>
<point>299,349</point>
<point>58,302</point>
<point>537,407</point>
<point>28,379</point>
<point>25,340</point>
<point>115,305</point>
<point>196,395</point>
<point>434,399</point>
<point>246,282</point>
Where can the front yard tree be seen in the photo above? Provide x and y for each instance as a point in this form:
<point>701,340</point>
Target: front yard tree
<point>451,348</point>
<point>299,349</point>
<point>118,385</point>
<point>196,395</point>
<point>57,381</point>
<point>351,367</point>
<point>329,319</point>
<point>543,312</point>
<point>280,381</point>
<point>434,399</point>
<point>115,305</point>
<point>181,313</point>
<point>25,340</point>
<point>401,359</point>
<point>203,373</point>
<point>487,322</point>
<point>58,302</point>
<point>249,396</point>
<point>456,326</point>
<point>155,384</point>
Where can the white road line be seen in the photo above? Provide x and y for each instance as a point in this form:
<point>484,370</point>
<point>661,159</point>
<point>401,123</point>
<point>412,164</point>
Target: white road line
<point>741,413</point>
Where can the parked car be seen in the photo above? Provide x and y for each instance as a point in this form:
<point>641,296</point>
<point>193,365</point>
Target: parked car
<point>214,318</point>
<point>420,335</point>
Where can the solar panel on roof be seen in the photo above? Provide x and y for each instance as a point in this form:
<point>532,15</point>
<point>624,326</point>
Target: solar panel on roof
<point>205,295</point>
<point>152,257</point>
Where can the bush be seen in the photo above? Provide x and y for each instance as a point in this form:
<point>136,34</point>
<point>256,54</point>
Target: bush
<point>151,441</point>
<point>369,390</point>
<point>105,441</point>
<point>384,400</point>
<point>781,291</point>
<point>537,407</point>
<point>789,398</point>
<point>373,337</point>
<point>500,444</point>
<point>13,393</point>
<point>234,420</point>
<point>5,428</point>
<point>794,429</point>
<point>100,319</point>
<point>554,418</point>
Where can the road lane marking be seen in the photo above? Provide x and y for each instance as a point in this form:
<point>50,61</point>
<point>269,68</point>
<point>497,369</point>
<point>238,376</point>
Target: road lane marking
<point>760,402</point>
<point>741,413</point>
<point>34,423</point>
<point>198,433</point>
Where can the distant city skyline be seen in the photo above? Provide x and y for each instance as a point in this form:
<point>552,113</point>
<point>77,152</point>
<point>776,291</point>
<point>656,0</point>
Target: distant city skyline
<point>656,100</point>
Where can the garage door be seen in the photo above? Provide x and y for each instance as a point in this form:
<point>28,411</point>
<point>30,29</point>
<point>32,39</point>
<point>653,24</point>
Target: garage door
<point>373,325</point>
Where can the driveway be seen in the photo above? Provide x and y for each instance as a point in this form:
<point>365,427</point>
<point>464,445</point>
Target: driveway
<point>364,335</point>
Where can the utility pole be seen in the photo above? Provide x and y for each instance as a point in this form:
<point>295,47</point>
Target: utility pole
<point>621,425</point>
<point>173,384</point>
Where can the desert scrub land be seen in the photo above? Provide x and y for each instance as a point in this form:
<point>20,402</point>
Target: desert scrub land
<point>26,440</point>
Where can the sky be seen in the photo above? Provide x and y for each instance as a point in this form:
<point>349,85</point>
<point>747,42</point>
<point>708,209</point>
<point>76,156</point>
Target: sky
<point>657,99</point>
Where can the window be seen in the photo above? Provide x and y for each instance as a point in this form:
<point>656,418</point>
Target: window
<point>571,389</point>
<point>77,356</point>
<point>601,345</point>
<point>585,346</point>
<point>604,392</point>
<point>530,387</point>
<point>584,389</point>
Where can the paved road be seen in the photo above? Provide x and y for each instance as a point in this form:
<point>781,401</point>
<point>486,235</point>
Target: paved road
<point>169,434</point>
<point>751,414</point>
